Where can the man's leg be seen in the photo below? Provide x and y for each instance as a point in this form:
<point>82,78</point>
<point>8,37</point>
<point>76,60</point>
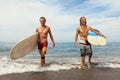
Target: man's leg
<point>83,53</point>
<point>89,59</point>
<point>43,52</point>
<point>83,60</point>
<point>89,53</point>
<point>40,52</point>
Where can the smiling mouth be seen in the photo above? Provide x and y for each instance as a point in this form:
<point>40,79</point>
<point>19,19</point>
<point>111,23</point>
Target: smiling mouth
<point>83,22</point>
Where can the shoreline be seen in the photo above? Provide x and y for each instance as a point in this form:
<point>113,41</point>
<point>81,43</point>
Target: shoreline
<point>72,74</point>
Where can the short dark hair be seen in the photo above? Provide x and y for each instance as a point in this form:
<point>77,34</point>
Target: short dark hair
<point>42,18</point>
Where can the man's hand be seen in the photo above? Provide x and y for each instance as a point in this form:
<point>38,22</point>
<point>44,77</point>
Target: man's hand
<point>103,36</point>
<point>53,45</point>
<point>75,44</point>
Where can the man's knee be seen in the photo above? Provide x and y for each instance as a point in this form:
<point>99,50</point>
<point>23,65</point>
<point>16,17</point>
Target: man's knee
<point>89,54</point>
<point>83,55</point>
<point>42,57</point>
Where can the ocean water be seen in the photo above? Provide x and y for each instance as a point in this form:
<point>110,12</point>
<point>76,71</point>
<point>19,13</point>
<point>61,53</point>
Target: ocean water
<point>63,57</point>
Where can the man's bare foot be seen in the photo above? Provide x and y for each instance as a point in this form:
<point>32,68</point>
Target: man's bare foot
<point>89,65</point>
<point>82,66</point>
<point>41,65</point>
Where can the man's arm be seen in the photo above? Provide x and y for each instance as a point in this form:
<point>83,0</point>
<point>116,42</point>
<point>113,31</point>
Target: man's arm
<point>51,37</point>
<point>36,30</point>
<point>93,30</point>
<point>76,37</point>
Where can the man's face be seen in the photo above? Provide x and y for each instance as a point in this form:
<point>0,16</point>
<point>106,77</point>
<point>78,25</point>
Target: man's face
<point>42,21</point>
<point>83,21</point>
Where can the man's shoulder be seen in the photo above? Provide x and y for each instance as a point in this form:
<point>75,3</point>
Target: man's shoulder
<point>89,27</point>
<point>47,27</point>
<point>78,27</point>
<point>37,28</point>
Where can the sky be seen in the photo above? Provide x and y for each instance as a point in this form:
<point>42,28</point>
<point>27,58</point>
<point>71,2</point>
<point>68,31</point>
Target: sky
<point>20,18</point>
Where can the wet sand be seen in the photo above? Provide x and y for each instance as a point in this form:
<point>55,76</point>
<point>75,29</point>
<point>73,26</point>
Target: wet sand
<point>73,74</point>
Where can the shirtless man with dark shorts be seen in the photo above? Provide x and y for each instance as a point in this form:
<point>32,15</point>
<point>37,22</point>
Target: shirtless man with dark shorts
<point>85,46</point>
<point>43,31</point>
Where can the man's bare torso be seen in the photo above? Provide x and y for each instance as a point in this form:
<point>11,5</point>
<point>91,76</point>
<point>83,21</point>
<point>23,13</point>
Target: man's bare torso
<point>43,33</point>
<point>83,32</point>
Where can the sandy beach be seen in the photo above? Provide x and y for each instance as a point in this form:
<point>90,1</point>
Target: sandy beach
<point>73,74</point>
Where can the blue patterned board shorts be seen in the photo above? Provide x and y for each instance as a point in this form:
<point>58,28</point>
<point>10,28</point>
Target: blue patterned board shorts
<point>85,49</point>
